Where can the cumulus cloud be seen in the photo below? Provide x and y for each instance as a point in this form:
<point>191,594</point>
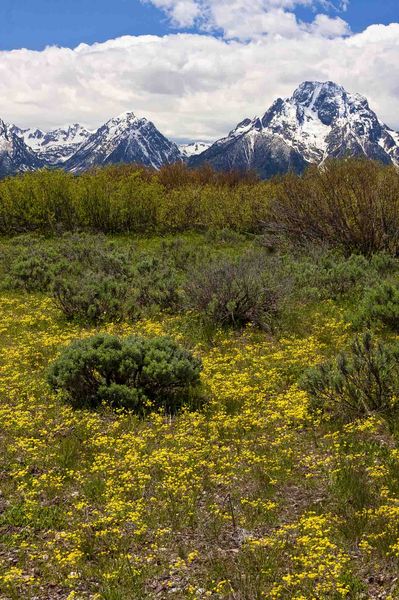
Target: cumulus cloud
<point>194,86</point>
<point>250,19</point>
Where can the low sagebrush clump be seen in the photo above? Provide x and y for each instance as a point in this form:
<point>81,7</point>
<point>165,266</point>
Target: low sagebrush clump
<point>33,264</point>
<point>92,298</point>
<point>235,292</point>
<point>359,382</point>
<point>134,373</point>
<point>380,304</point>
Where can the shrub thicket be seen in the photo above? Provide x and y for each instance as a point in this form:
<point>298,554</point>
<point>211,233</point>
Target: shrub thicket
<point>134,373</point>
<point>130,198</point>
<point>358,382</point>
<point>352,204</point>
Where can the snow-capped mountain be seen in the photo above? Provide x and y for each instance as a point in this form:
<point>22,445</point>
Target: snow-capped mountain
<point>15,155</point>
<point>193,149</point>
<point>56,146</point>
<point>124,139</point>
<point>319,121</point>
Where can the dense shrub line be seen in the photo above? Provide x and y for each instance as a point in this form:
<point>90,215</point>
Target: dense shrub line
<point>131,199</point>
<point>352,204</point>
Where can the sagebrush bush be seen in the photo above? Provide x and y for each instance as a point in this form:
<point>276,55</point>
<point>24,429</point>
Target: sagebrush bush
<point>381,304</point>
<point>235,292</point>
<point>134,373</point>
<point>33,263</point>
<point>92,298</point>
<point>322,273</point>
<point>357,383</point>
<point>31,268</point>
<point>182,254</point>
<point>156,284</point>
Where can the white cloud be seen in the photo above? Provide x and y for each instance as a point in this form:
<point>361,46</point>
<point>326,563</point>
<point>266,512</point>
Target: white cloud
<point>183,13</point>
<point>329,27</point>
<point>249,19</point>
<point>194,86</point>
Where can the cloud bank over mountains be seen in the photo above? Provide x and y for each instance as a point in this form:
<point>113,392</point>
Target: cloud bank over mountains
<point>195,86</point>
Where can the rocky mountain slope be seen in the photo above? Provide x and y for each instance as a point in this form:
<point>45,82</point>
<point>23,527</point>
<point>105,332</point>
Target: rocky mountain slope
<point>15,155</point>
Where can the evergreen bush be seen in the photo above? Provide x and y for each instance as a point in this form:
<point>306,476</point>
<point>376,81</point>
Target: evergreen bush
<point>133,373</point>
<point>359,382</point>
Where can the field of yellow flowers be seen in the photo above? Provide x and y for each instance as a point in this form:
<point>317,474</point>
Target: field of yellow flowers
<point>251,498</point>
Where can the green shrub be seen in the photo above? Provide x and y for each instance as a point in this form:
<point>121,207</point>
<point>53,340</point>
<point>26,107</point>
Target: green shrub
<point>134,373</point>
<point>82,251</point>
<point>381,304</point>
<point>321,273</point>
<point>357,383</point>
<point>33,263</point>
<point>183,255</point>
<point>156,284</point>
<point>92,298</point>
<point>31,269</point>
<point>235,292</point>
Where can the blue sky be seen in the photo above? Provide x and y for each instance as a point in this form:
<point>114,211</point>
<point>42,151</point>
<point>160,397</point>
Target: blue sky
<point>35,24</point>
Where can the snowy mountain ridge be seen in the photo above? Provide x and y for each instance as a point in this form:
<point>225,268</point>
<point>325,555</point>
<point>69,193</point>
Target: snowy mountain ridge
<point>320,120</point>
<point>124,139</point>
<point>56,146</point>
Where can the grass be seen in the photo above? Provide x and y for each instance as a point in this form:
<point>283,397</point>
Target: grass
<point>252,498</point>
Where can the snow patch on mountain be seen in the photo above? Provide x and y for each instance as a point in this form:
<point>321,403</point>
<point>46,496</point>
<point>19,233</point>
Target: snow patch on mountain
<point>56,146</point>
<point>193,149</point>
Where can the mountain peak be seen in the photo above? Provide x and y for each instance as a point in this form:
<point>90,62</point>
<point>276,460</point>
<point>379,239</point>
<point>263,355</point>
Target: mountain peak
<point>125,118</point>
<point>320,120</point>
<point>125,139</point>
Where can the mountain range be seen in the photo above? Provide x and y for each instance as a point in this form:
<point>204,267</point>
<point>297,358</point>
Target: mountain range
<point>319,121</point>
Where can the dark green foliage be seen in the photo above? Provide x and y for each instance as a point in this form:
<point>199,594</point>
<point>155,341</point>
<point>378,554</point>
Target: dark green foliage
<point>358,382</point>
<point>321,273</point>
<point>156,284</point>
<point>183,255</point>
<point>380,304</point>
<point>134,373</point>
<point>31,269</point>
<point>92,297</point>
<point>324,274</point>
<point>33,263</point>
<point>236,292</point>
